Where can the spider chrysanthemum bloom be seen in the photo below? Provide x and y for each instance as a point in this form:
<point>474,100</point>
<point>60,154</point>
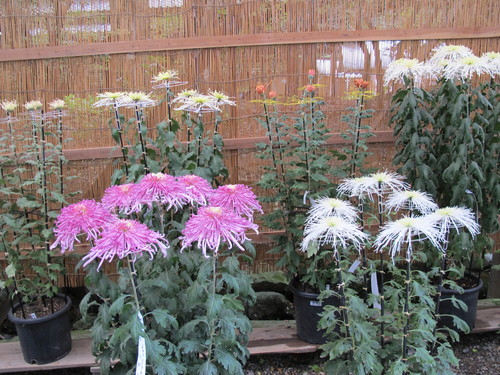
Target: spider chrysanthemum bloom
<point>57,104</point>
<point>108,99</point>
<point>136,99</point>
<point>9,106</point>
<point>325,206</point>
<point>168,75</point>
<point>361,187</point>
<point>160,188</point>
<point>493,60</point>
<point>184,96</point>
<point>454,218</point>
<point>386,182</point>
<point>197,188</point>
<point>118,197</point>
<point>123,238</point>
<point>200,104</point>
<point>334,231</point>
<point>467,67</point>
<point>411,200</point>
<point>405,231</point>
<point>33,105</point>
<point>220,98</point>
<point>406,68</point>
<point>449,53</point>
<point>168,78</point>
<point>213,226</point>
<point>85,217</point>
<point>238,198</point>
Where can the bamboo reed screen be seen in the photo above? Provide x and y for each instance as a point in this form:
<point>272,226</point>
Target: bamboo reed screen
<point>43,26</point>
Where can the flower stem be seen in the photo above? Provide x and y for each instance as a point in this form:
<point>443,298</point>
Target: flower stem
<point>120,135</point>
<point>406,309</point>
<point>138,116</point>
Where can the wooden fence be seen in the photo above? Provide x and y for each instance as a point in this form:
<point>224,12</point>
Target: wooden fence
<point>75,49</point>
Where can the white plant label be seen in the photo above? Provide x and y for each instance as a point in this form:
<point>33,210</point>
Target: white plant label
<point>33,316</point>
<point>316,303</point>
<point>355,265</point>
<point>375,291</point>
<point>140,368</point>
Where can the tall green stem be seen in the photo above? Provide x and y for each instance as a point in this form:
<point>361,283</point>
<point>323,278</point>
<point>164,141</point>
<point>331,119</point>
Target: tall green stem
<point>120,136</point>
<point>138,115</point>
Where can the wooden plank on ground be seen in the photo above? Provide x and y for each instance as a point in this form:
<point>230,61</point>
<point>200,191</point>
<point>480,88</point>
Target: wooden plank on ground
<point>487,319</point>
<point>11,358</point>
<point>268,337</point>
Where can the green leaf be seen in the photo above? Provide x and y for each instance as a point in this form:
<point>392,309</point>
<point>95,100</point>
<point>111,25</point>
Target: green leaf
<point>207,368</point>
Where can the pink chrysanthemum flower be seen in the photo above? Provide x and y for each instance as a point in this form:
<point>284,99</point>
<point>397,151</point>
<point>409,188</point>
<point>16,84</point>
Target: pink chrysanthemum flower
<point>118,196</point>
<point>160,188</point>
<point>197,187</point>
<point>212,226</point>
<point>239,198</point>
<point>86,216</point>
<point>126,237</point>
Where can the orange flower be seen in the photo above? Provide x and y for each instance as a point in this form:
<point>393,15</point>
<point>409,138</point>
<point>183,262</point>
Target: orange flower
<point>359,83</point>
<point>273,94</point>
<point>309,88</point>
<point>311,72</point>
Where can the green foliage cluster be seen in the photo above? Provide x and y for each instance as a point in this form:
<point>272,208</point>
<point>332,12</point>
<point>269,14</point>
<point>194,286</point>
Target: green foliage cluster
<point>447,139</point>
<point>31,191</point>
<point>301,167</point>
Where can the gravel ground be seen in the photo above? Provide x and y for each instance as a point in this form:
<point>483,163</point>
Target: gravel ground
<point>479,354</point>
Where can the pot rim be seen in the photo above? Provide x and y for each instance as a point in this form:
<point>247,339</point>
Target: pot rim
<point>42,319</point>
<point>466,291</point>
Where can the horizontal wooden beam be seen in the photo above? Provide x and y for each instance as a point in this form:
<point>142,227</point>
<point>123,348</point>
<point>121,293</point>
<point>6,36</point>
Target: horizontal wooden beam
<point>203,42</point>
<point>229,144</point>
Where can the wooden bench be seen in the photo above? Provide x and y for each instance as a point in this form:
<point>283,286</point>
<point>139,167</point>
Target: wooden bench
<point>268,337</point>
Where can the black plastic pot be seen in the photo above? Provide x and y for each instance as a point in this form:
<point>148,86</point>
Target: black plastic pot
<point>307,309</point>
<point>46,339</point>
<point>469,297</point>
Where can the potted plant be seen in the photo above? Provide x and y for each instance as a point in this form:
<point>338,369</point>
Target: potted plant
<point>300,168</point>
<point>447,138</point>
<point>32,188</point>
<point>390,326</point>
<point>177,303</point>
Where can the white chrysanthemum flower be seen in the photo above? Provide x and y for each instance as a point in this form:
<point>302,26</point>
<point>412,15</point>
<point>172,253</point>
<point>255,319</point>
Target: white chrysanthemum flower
<point>33,105</point>
<point>326,206</point>
<point>335,232</point>
<point>184,96</point>
<point>108,98</point>
<point>451,53</point>
<point>199,104</point>
<point>9,106</point>
<point>455,217</point>
<point>361,187</point>
<point>168,78</point>
<point>466,67</point>
<point>220,98</point>
<point>492,59</point>
<point>406,68</point>
<point>168,75</point>
<point>57,104</point>
<point>411,200</point>
<point>136,99</point>
<point>405,231</point>
<point>387,182</point>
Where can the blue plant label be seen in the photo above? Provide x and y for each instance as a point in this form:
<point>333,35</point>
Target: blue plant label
<point>33,316</point>
<point>316,303</point>
<point>355,265</point>
<point>375,291</point>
